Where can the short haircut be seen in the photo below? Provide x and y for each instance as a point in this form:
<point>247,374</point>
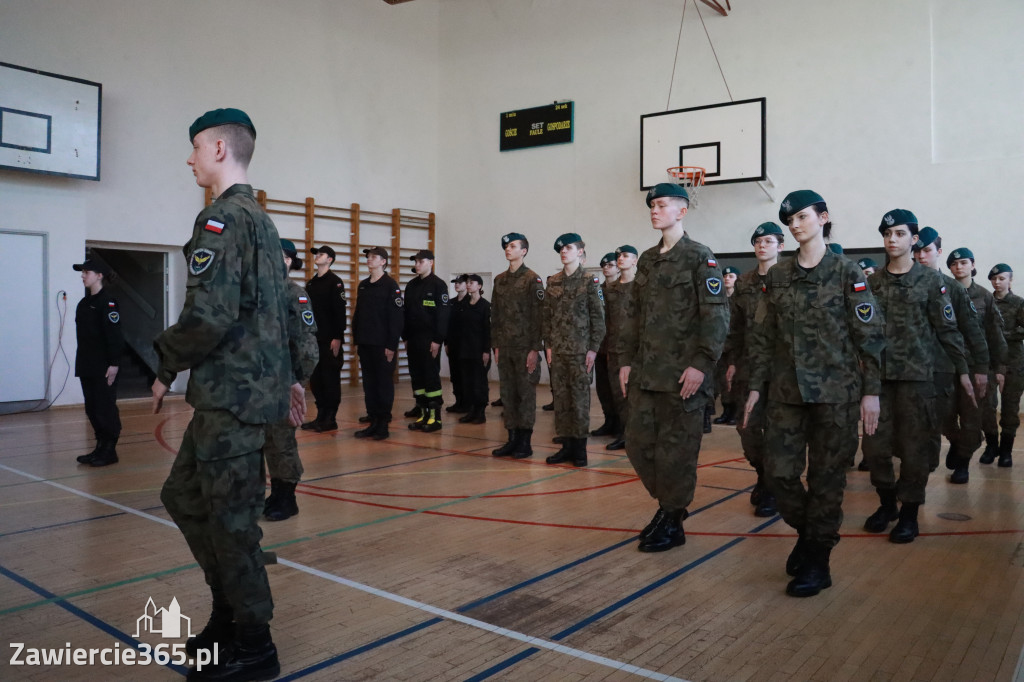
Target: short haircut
<point>240,140</point>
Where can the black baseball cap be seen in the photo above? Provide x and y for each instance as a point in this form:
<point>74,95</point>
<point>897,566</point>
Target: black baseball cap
<point>422,254</point>
<point>92,265</point>
<point>377,250</point>
<point>324,249</point>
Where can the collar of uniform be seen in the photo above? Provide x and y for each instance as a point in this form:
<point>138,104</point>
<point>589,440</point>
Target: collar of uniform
<point>814,276</point>
<point>908,278</point>
<point>675,253</point>
<point>237,189</point>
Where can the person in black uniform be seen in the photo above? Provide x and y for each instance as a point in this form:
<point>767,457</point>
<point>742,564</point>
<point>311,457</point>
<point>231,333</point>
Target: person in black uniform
<point>327,296</point>
<point>475,350</point>
<point>462,403</point>
<point>100,345</point>
<point>426,324</point>
<point>376,327</point>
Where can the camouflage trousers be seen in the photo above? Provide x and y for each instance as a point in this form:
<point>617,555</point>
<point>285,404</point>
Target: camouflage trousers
<point>517,388</point>
<point>818,437</point>
<point>906,426</point>
<point>961,423</point>
<point>752,438</point>
<point>570,388</point>
<point>603,385</point>
<point>618,400</point>
<point>1013,388</point>
<point>281,452</point>
<point>663,443</point>
<point>945,407</point>
<point>990,408</point>
<point>214,493</point>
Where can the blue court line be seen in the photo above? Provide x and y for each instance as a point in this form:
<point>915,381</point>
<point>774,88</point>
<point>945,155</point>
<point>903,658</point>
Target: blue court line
<point>71,523</point>
<point>512,660</point>
<point>385,466</point>
<point>87,617</point>
<point>351,653</point>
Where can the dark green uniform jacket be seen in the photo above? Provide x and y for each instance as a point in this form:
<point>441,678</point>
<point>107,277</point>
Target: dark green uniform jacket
<point>303,347</point>
<point>750,287</point>
<point>968,321</point>
<point>573,320</point>
<point>992,321</point>
<point>517,307</point>
<point>1011,307</point>
<point>619,313</point>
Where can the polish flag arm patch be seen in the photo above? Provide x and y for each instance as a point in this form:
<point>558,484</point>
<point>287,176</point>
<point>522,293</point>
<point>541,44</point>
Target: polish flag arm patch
<point>859,286</point>
<point>712,263</point>
<point>942,289</point>
<point>214,226</point>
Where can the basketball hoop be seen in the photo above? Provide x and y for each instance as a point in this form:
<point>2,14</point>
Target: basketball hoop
<point>691,178</point>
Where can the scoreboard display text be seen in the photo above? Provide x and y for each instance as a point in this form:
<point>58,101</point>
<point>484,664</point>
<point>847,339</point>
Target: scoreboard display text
<point>550,124</point>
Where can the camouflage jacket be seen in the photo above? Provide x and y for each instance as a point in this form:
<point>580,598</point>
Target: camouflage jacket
<point>618,314</point>
<point>968,321</point>
<point>573,321</point>
<point>818,335</point>
<point>917,308</point>
<point>1011,307</point>
<point>992,321</point>
<point>681,318</point>
<point>750,287</point>
<point>302,344</point>
<point>517,306</point>
<point>233,330</point>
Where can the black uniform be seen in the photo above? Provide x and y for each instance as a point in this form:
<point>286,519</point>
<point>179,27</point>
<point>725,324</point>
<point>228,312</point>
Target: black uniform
<point>454,357</point>
<point>100,345</point>
<point>376,326</point>
<point>327,296</point>
<point>426,322</point>
<point>474,341</point>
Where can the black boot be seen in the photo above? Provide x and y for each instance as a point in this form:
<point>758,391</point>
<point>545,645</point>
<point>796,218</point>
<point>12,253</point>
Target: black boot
<point>813,576</point>
<point>479,417</point>
<point>420,412</point>
<point>565,454</point>
<point>311,424</point>
<point>327,420</point>
<point>606,429</point>
<point>666,534</point>
<point>365,419</point>
<point>885,514</point>
<point>1005,450</point>
<point>905,529</point>
<point>87,458</point>
<point>731,421</point>
<point>991,448</point>
<point>579,452</point>
<point>708,411</point>
<point>107,454</point>
<point>522,447</point>
<point>798,556</point>
<point>468,417</point>
<point>652,524</point>
<point>433,422</point>
<point>618,444</point>
<point>219,629</point>
<point>285,507</point>
<point>758,489</point>
<point>767,506</point>
<point>380,431</point>
<point>370,428</point>
<point>415,412</point>
<point>960,466</point>
<point>250,656</point>
<point>727,410</point>
<point>559,440</point>
<point>509,447</point>
<point>275,492</point>
<point>550,407</point>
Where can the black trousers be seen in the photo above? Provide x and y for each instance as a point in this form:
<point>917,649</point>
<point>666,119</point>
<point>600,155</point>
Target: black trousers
<point>455,369</point>
<point>474,381</point>
<point>101,407</point>
<point>424,372</point>
<point>378,381</point>
<point>325,382</point>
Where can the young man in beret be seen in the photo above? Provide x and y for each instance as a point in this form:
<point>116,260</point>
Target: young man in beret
<point>1011,307</point>
<point>961,263</point>
<point>609,427</point>
<point>751,287</point>
<point>97,360</point>
<point>959,417</point>
<point>327,295</point>
<point>426,326</point>
<point>914,302</point>
<point>241,371</point>
<point>680,324</point>
<point>517,307</point>
<point>618,306</point>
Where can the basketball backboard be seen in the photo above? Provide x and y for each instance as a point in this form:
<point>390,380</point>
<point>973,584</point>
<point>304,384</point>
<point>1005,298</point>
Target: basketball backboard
<point>727,140</point>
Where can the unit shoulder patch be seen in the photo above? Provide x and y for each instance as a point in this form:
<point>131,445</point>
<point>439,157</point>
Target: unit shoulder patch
<point>113,316</point>
<point>201,261</point>
<point>307,317</point>
<point>714,285</point>
<point>864,312</point>
<point>947,312</point>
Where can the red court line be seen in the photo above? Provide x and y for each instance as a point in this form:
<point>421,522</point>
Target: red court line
<point>158,434</point>
<point>464,497</point>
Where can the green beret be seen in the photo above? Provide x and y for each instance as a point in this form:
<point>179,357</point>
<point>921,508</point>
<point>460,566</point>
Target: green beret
<point>608,258</point>
<point>835,248</point>
<point>288,246</point>
<point>512,237</point>
<point>566,239</point>
<point>219,117</point>
<point>798,201</point>
<point>925,236</point>
<point>626,248</point>
<point>957,254</point>
<point>998,268</point>
<point>765,230</point>
<point>667,189</point>
<point>865,263</point>
<point>898,216</point>
<point>730,270</point>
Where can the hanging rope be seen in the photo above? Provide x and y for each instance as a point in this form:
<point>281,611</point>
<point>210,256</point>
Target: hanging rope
<point>712,49</point>
<point>675,61</point>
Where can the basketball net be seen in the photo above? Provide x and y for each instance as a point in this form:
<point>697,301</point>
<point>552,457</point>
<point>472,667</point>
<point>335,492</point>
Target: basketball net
<point>691,178</point>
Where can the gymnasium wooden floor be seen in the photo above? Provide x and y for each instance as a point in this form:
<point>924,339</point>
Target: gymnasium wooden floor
<point>424,558</point>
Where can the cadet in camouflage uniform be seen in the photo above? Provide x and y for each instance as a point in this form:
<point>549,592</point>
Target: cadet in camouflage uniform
<point>573,328</point>
<point>1011,307</point>
<point>959,415</point>
<point>751,287</point>
<point>618,307</point>
<point>233,334</point>
<point>281,451</point>
<point>815,348</point>
<point>961,263</point>
<point>517,307</point>
<point>680,324</point>
<point>610,426</point>
<point>917,308</point>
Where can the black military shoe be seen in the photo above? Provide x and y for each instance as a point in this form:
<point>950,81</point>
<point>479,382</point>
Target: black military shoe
<point>559,440</point>
<point>652,524</point>
<point>563,455</point>
<point>1006,451</point>
<point>275,492</point>
<point>310,425</point>
<point>331,425</point>
<point>991,448</point>
<point>509,447</point>
<point>767,507</point>
<point>708,411</point>
<point>727,411</point>
<point>905,529</point>
<point>960,475</point>
<point>885,514</point>
<point>380,431</point>
<point>365,419</point>
<point>863,466</point>
<point>219,630</point>
<point>605,429</point>
<point>617,444</point>
<point>813,575</point>
<point>521,445</point>
<point>415,413</point>
<point>478,416</point>
<point>797,557</point>
<point>550,407</point>
<point>666,534</point>
<point>433,421</point>
<point>250,656</point>
<point>86,458</point>
<point>757,491</point>
<point>579,452</point>
<point>107,455</point>
<point>370,429</point>
<point>284,506</point>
